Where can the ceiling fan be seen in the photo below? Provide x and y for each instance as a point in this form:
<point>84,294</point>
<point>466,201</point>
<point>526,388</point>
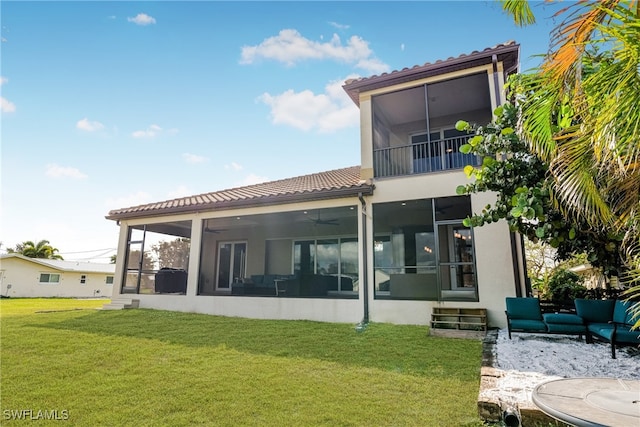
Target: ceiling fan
<point>214,230</point>
<point>209,229</point>
<point>443,209</point>
<point>318,221</point>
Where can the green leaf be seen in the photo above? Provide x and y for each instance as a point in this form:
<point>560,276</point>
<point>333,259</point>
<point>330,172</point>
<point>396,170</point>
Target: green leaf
<point>488,161</point>
<point>565,122</point>
<point>468,170</point>
<point>506,131</point>
<point>540,232</point>
<point>498,111</point>
<point>476,140</point>
<point>461,189</point>
<point>461,125</point>
<point>572,233</point>
<point>467,222</point>
<point>516,212</point>
<point>465,148</point>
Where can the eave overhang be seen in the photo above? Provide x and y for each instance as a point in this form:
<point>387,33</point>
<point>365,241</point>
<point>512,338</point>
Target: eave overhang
<point>507,53</point>
<point>365,189</point>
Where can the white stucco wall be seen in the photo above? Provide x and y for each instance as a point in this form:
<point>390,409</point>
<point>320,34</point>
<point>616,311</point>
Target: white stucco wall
<point>24,278</point>
<point>318,309</point>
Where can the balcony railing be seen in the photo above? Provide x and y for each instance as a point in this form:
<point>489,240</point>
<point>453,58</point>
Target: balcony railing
<point>425,157</point>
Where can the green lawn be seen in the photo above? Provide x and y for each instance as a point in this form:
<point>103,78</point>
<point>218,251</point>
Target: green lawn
<point>148,368</point>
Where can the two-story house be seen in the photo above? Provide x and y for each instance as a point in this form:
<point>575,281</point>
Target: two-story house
<point>383,241</point>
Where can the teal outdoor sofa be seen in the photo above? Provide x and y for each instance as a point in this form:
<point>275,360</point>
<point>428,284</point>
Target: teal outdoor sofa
<point>609,320</point>
<point>525,315</point>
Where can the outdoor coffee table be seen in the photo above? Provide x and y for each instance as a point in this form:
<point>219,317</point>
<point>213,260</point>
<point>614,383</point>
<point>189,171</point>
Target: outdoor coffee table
<point>590,401</point>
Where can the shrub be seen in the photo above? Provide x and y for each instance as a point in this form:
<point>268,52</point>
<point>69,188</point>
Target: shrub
<point>564,285</point>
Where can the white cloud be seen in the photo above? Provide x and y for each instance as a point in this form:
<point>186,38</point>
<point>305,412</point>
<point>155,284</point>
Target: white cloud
<point>252,179</point>
<point>326,112</point>
<point>234,166</point>
<point>152,132</point>
<point>56,171</point>
<point>142,19</point>
<point>289,47</point>
<point>193,158</point>
<point>134,199</point>
<point>181,191</point>
<point>89,126</point>
<point>339,26</point>
<point>7,106</point>
<point>373,65</point>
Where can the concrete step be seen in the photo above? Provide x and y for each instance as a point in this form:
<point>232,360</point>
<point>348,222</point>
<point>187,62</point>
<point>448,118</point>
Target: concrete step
<point>121,304</point>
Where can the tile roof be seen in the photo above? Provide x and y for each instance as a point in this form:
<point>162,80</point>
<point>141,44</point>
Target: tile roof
<point>507,52</point>
<point>337,183</point>
<point>58,264</point>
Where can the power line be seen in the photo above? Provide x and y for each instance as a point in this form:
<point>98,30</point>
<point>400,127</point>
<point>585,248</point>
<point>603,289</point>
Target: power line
<point>86,252</point>
<point>100,255</point>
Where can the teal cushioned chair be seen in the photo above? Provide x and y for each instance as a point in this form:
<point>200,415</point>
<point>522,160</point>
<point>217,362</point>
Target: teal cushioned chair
<point>524,315</point>
<point>610,321</point>
<point>595,311</point>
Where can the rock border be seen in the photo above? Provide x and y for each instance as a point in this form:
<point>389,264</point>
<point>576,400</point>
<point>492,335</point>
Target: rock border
<point>491,406</point>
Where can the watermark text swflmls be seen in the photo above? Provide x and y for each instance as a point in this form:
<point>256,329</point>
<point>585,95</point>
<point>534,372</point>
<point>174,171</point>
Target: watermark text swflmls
<point>35,414</point>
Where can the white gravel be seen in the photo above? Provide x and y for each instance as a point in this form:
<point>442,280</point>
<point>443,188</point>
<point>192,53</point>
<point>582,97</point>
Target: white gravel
<point>530,359</point>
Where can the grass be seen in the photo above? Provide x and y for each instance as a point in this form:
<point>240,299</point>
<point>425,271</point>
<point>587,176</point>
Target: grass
<point>150,367</point>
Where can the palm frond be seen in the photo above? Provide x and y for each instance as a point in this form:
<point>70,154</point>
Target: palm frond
<point>571,38</point>
<point>519,11</point>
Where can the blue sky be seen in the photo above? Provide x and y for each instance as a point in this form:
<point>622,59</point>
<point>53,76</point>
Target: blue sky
<point>112,104</point>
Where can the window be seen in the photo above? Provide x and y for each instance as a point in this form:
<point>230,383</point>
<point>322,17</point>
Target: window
<point>83,279</point>
<point>109,280</point>
<point>334,260</point>
<point>427,153</point>
<point>49,278</point>
<point>440,151</point>
<point>422,251</point>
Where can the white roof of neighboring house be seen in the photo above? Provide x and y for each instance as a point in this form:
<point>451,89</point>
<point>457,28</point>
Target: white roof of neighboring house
<point>580,268</point>
<point>75,266</point>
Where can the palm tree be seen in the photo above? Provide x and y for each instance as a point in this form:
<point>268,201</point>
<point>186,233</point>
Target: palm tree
<point>581,113</point>
<point>42,249</point>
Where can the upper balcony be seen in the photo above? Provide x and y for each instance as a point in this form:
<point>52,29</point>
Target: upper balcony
<point>413,130</point>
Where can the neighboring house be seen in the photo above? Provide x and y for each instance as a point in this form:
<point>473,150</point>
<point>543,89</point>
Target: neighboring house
<point>594,278</point>
<point>383,241</point>
<point>21,276</point>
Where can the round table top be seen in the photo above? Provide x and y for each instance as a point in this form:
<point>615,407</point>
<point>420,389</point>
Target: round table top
<point>590,401</point>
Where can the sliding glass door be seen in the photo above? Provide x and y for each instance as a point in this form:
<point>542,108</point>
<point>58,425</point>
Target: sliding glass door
<point>232,258</point>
